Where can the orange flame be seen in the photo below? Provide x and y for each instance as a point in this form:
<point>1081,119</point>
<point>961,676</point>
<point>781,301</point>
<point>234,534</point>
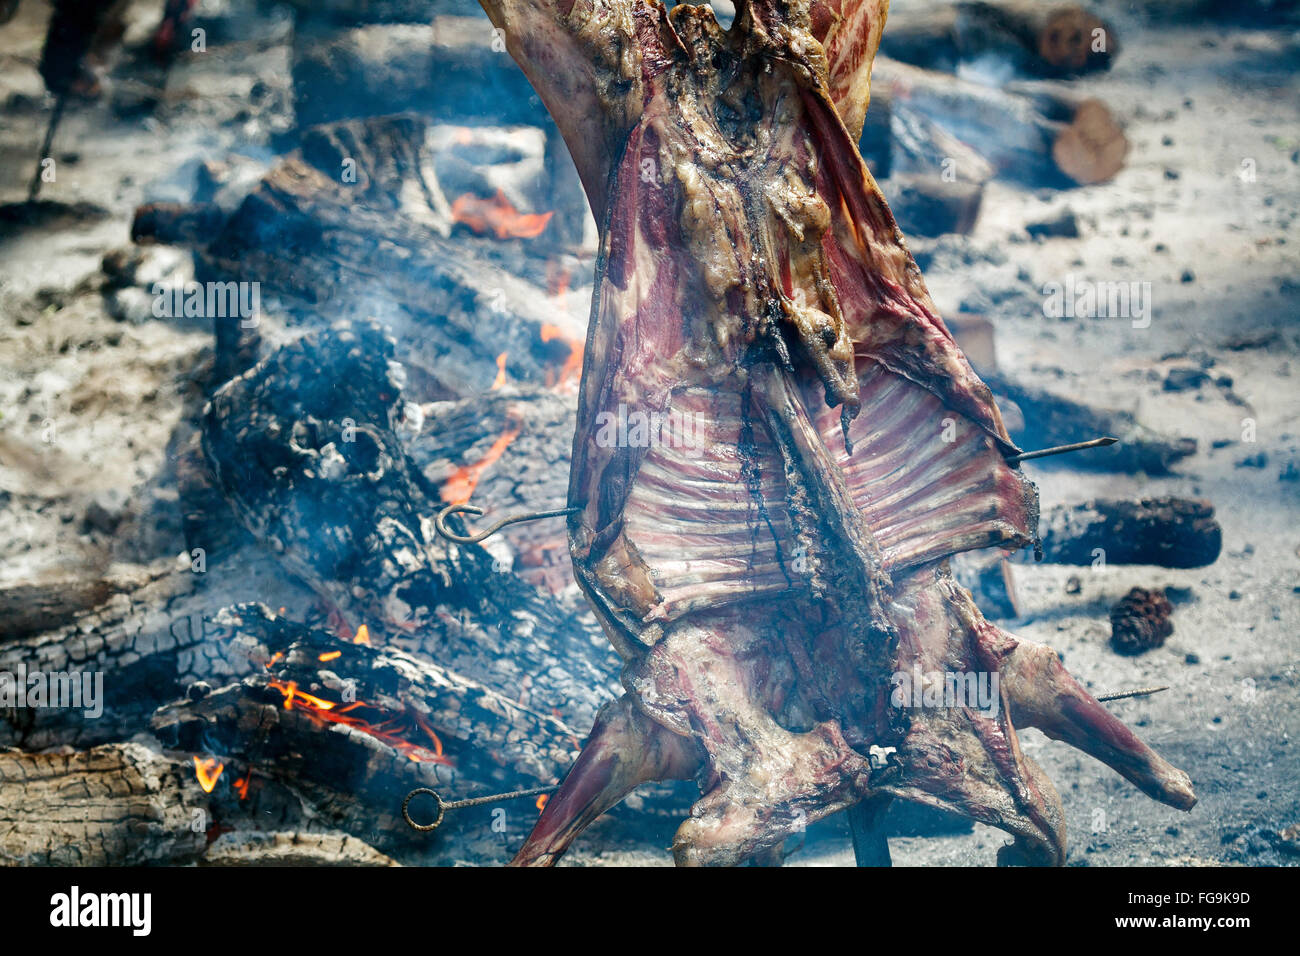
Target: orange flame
<point>208,770</point>
<point>541,802</point>
<point>393,731</point>
<point>330,656</point>
<point>496,216</point>
<point>292,693</point>
<point>571,371</point>
<point>501,371</point>
<point>557,278</point>
<point>241,786</point>
<point>458,488</point>
<point>363,636</point>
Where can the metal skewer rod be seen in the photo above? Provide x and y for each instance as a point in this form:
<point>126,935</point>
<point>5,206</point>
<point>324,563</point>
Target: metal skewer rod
<point>1060,450</point>
<point>1124,695</point>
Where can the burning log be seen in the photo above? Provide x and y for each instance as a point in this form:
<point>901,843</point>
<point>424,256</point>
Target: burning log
<point>1168,532</point>
<point>120,804</point>
<point>398,708</point>
<point>311,246</point>
<point>1009,131</point>
<point>453,70</point>
<point>1041,39</point>
<point>530,474</point>
<point>1052,420</point>
<point>320,474</point>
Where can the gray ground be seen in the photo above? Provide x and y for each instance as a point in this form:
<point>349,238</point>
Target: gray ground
<point>1204,212</point>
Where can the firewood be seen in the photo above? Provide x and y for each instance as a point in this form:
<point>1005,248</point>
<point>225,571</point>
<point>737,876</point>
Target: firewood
<point>1041,39</point>
<point>120,804</point>
<point>314,245</point>
<point>920,146</point>
<point>319,473</point>
<point>1009,130</point>
<point>1169,532</point>
<point>453,70</point>
<point>55,598</point>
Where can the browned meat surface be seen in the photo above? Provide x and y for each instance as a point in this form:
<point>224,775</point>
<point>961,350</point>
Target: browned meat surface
<point>779,445</point>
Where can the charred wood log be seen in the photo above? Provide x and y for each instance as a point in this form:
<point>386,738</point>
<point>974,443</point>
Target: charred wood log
<point>120,804</point>
<point>1008,130</point>
<point>403,709</point>
<point>139,649</point>
<point>454,304</point>
<point>453,70</point>
<point>897,139</point>
<point>320,474</point>
<point>458,448</point>
<point>1040,39</point>
<point>1169,532</point>
<point>54,599</point>
<point>447,69</point>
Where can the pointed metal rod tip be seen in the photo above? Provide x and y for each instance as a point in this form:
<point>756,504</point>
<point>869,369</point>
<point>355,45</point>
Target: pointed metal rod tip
<point>439,522</point>
<point>1125,695</point>
<point>1060,450</point>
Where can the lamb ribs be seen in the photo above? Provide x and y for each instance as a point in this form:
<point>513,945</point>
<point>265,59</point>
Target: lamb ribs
<point>773,549</point>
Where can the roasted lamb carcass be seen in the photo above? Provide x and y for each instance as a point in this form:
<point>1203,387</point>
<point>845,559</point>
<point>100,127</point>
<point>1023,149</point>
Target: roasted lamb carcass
<point>778,447</point>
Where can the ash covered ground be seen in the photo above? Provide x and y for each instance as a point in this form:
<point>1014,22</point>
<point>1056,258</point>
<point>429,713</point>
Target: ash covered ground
<point>1204,212</point>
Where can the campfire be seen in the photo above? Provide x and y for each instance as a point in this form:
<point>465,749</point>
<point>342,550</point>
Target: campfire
<point>410,555</point>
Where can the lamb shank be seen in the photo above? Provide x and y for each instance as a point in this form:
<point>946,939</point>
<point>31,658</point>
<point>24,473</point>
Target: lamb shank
<point>767,547</point>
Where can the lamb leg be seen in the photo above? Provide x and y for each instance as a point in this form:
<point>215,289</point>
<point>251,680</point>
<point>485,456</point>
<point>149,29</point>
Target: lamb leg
<point>625,750</point>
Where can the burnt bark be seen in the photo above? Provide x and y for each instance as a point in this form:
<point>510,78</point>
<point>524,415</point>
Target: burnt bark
<point>1169,532</point>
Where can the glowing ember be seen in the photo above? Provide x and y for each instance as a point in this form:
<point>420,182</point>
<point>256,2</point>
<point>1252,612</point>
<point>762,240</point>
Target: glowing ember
<point>458,488</point>
<point>541,802</point>
<point>501,371</point>
<point>208,770</point>
<point>330,656</point>
<point>241,787</point>
<point>571,371</point>
<point>496,216</point>
<point>363,636</point>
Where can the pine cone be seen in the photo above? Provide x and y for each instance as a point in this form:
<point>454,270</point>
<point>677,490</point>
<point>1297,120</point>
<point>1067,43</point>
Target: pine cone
<point>1140,621</point>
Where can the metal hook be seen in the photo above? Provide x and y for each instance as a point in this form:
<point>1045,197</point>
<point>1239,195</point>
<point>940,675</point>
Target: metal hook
<point>1060,450</point>
<point>440,525</point>
<point>424,827</point>
<point>445,805</point>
